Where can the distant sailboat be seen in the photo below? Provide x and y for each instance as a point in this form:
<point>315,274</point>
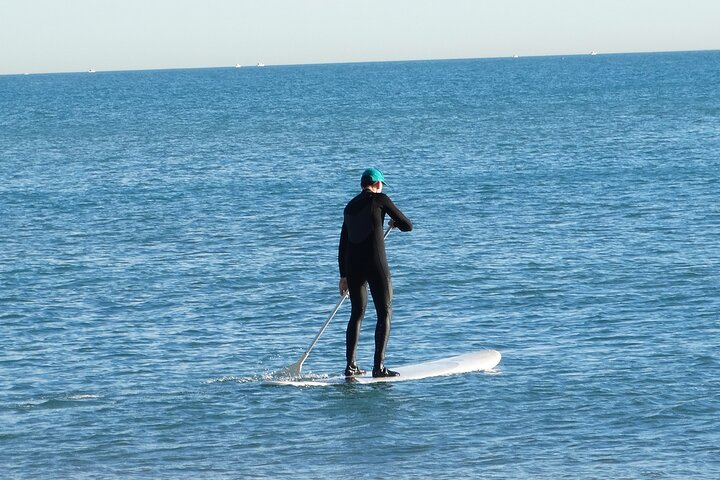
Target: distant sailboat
<point>260,64</point>
<point>593,52</point>
<point>237,65</point>
<point>91,71</point>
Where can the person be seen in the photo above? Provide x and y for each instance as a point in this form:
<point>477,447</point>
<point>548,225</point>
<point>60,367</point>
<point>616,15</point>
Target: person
<point>362,261</point>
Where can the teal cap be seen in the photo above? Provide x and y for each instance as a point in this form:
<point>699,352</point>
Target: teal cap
<point>373,174</point>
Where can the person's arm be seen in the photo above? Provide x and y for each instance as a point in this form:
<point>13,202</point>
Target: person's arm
<point>398,219</point>
<point>342,257</point>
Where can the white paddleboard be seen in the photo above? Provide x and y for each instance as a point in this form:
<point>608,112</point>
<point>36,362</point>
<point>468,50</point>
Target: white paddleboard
<point>467,362</point>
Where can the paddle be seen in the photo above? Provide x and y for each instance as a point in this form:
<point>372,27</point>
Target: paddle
<point>294,369</point>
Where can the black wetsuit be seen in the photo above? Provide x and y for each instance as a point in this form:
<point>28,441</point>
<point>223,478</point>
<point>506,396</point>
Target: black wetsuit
<point>362,260</point>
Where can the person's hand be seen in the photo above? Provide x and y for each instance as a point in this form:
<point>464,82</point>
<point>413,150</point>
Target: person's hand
<point>343,286</point>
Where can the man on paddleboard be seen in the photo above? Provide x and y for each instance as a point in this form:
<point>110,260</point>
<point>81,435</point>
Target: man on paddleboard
<point>362,260</point>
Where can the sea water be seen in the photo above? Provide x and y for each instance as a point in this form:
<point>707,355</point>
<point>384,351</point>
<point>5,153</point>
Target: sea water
<point>168,239</point>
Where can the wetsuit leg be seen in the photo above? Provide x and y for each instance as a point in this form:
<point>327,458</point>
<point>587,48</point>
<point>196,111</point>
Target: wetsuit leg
<point>381,289</point>
<point>358,298</point>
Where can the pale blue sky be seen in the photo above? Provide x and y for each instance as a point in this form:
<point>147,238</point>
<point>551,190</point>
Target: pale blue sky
<point>76,35</point>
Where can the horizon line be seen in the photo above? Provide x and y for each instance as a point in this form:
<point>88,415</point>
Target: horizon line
<point>251,66</point>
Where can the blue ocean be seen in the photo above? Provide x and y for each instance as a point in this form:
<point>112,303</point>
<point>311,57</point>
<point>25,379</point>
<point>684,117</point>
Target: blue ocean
<point>168,240</point>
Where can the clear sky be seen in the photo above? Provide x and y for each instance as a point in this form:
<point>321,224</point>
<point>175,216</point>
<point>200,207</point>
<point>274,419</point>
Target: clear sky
<point>76,35</point>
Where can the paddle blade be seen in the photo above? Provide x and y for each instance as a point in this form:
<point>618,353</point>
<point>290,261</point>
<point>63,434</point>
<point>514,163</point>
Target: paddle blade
<point>292,371</point>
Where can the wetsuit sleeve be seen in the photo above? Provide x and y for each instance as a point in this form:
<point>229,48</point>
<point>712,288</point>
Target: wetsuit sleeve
<point>342,251</point>
<point>401,221</point>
